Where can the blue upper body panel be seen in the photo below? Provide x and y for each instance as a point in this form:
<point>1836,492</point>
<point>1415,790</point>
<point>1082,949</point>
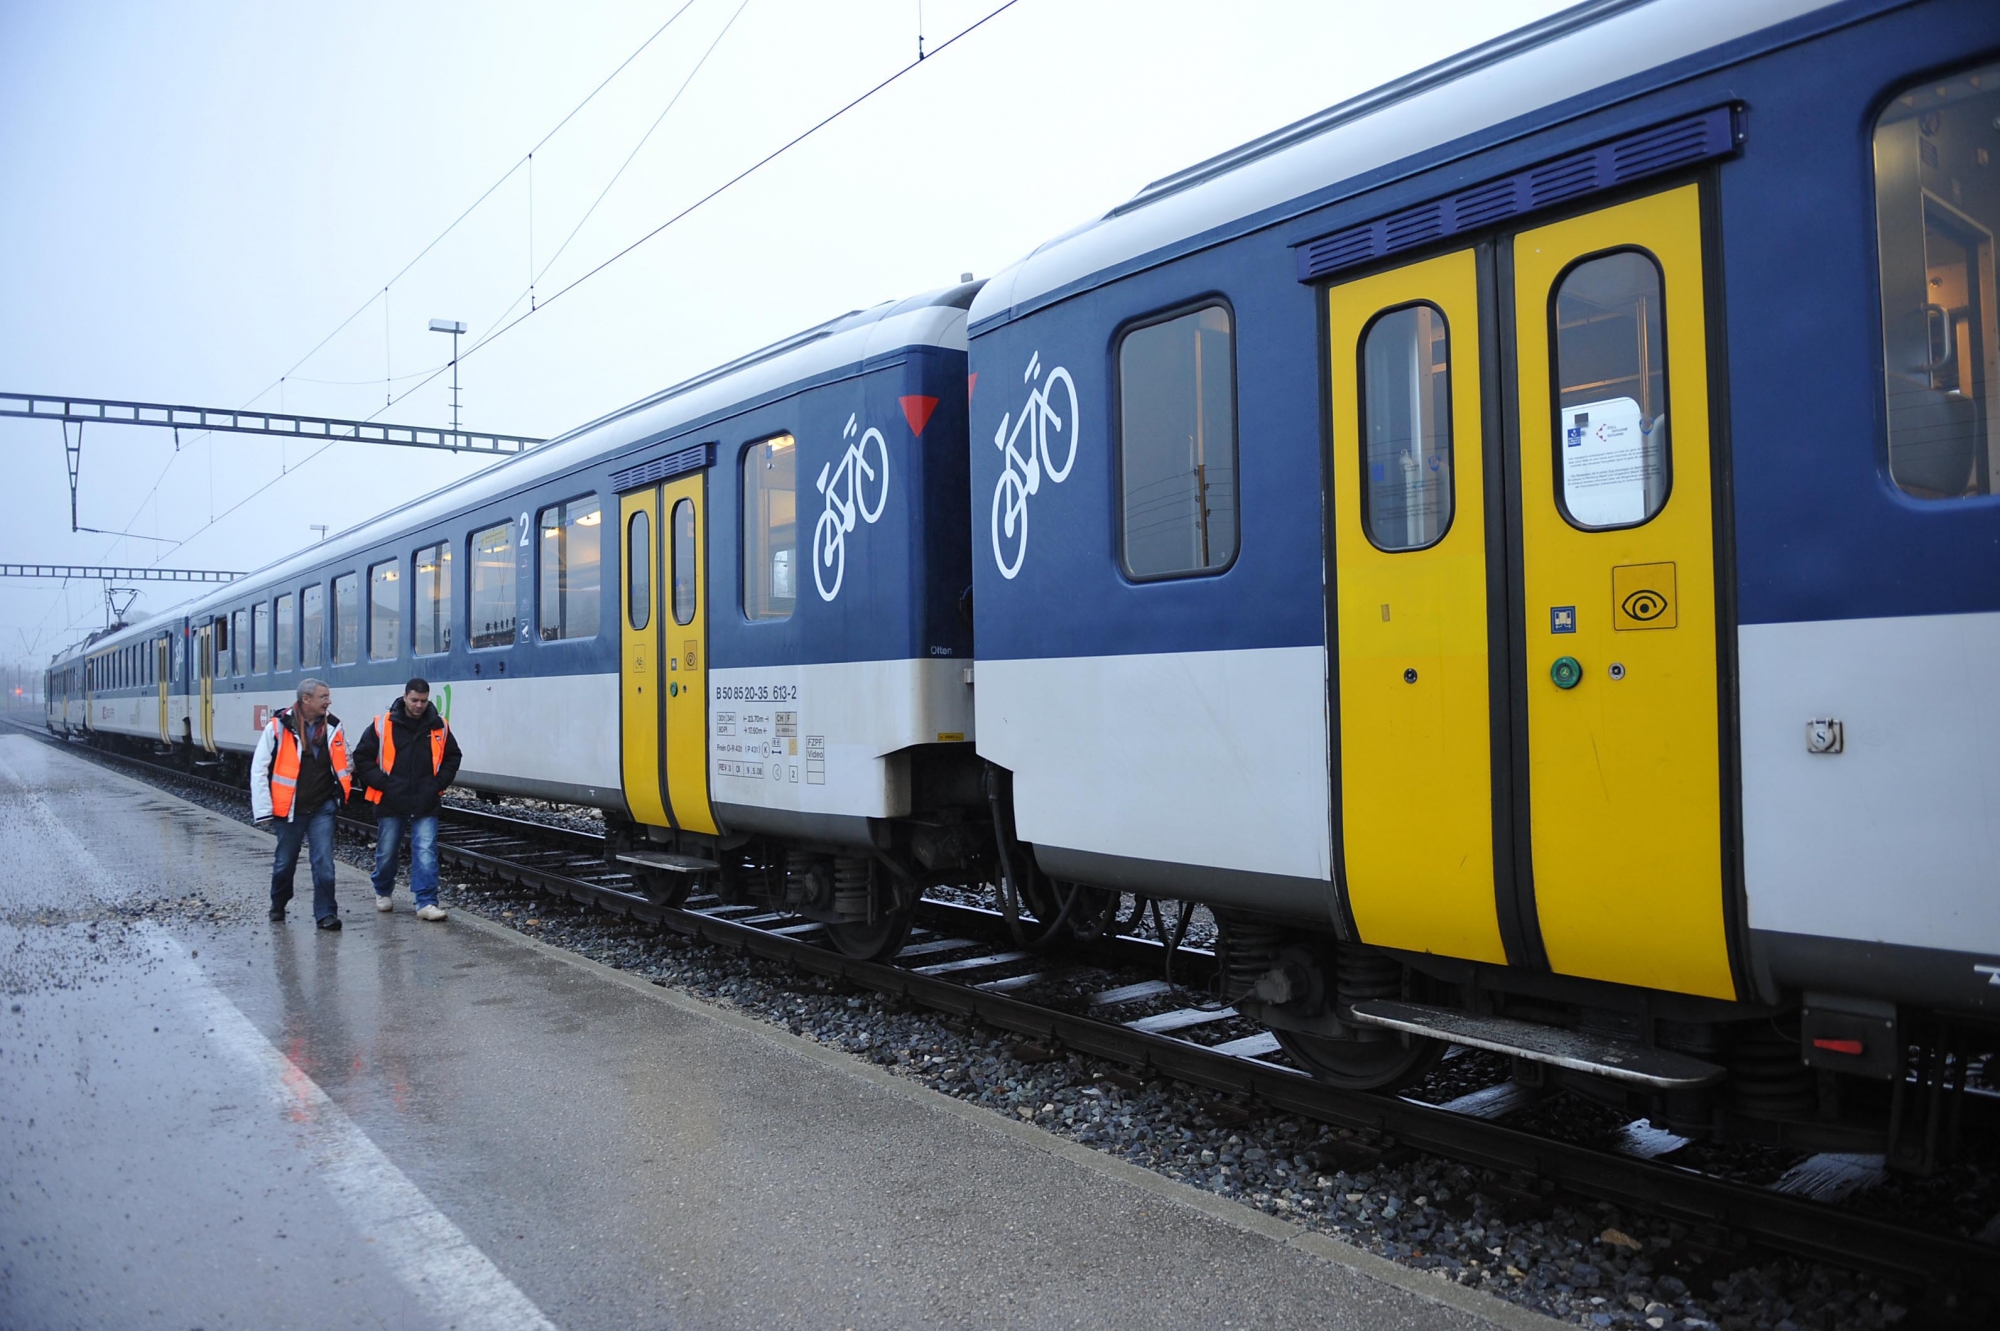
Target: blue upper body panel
<point>1820,531</point>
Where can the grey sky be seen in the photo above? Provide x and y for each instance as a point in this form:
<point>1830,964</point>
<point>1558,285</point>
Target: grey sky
<point>196,194</point>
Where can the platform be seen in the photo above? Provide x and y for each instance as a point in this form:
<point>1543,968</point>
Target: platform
<point>214,1121</point>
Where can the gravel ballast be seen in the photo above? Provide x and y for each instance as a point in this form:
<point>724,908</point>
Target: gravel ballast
<point>1589,1263</point>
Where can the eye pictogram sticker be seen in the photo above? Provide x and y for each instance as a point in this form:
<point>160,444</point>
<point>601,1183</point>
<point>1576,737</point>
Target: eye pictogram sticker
<point>1644,596</point>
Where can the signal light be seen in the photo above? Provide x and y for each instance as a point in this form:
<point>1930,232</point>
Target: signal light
<point>1839,1046</point>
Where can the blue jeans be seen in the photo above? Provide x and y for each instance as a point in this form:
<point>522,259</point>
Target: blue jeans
<point>423,832</point>
<point>316,830</point>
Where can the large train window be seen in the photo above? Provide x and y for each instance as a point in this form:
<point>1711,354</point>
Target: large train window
<point>312,626</point>
<point>260,638</point>
<point>770,528</point>
<point>639,560</point>
<point>385,610</point>
<point>1177,445</point>
<point>346,619</point>
<point>684,562</point>
<point>492,611</point>
<point>569,559</point>
<point>1406,484</point>
<point>1607,319</point>
<point>430,599</point>
<point>1937,206</point>
<point>239,643</point>
<point>287,657</point>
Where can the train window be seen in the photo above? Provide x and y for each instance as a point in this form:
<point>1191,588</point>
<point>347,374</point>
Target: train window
<point>385,609</point>
<point>639,563</point>
<point>346,624</point>
<point>1177,445</point>
<point>1406,485</point>
<point>431,599</point>
<point>1937,207</point>
<point>239,642</point>
<point>287,631</point>
<point>685,571</point>
<point>569,559</point>
<point>312,626</point>
<point>492,608</point>
<point>260,638</point>
<point>770,528</point>
<point>1611,391</point>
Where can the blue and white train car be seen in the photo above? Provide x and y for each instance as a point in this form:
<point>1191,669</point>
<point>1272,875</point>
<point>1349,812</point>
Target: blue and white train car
<point>1524,542</point>
<point>735,610</point>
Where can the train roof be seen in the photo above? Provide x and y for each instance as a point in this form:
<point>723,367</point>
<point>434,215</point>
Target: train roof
<point>934,318</point>
<point>1570,54</point>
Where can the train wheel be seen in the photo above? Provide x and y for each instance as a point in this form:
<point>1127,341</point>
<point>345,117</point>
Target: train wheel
<point>872,942</point>
<point>1363,1065</point>
<point>666,889</point>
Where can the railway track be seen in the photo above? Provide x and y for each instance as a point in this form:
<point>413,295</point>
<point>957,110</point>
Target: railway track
<point>958,962</point>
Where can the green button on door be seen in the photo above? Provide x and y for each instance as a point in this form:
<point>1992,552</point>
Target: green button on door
<point>1567,672</point>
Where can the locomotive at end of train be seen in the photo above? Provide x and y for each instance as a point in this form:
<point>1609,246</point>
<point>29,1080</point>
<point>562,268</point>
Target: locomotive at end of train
<point>1520,548</point>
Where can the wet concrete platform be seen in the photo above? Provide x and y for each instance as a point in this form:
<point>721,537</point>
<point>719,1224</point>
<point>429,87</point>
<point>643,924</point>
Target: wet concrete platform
<point>213,1121</point>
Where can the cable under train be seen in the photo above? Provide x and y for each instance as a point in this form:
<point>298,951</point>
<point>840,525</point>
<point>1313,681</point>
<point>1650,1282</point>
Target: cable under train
<point>1520,547</point>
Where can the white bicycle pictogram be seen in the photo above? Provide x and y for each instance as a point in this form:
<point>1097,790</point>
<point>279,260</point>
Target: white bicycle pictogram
<point>1023,471</point>
<point>846,491</point>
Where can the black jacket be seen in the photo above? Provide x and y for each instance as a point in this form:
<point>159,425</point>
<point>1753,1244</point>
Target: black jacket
<point>411,790</point>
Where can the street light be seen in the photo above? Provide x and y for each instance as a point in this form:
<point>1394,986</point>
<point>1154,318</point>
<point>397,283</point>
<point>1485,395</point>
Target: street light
<point>454,327</point>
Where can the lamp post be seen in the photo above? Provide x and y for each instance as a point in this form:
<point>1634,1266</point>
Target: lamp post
<point>454,327</point>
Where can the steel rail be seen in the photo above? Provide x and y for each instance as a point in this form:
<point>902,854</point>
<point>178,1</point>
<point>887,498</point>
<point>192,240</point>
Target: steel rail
<point>1796,1225</point>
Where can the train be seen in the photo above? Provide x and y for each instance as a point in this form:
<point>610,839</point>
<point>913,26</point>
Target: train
<point>1519,548</point>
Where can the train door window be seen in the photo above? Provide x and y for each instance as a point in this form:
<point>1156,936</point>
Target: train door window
<point>221,635</point>
<point>1177,445</point>
<point>685,570</point>
<point>1406,485</point>
<point>430,599</point>
<point>1937,209</point>
<point>260,637</point>
<point>385,609</point>
<point>569,560</point>
<point>287,634</point>
<point>312,626</point>
<point>346,626</point>
<point>1607,317</point>
<point>770,528</point>
<point>239,642</point>
<point>639,560</point>
<point>492,609</point>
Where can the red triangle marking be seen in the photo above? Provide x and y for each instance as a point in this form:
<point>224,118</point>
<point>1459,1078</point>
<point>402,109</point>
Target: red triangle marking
<point>971,382</point>
<point>917,411</point>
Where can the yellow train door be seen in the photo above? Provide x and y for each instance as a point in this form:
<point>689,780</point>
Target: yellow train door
<point>686,627</point>
<point>205,660</point>
<point>1413,676</point>
<point>664,661</point>
<point>1526,624</point>
<point>641,671</point>
<point>1619,614</point>
<point>162,660</point>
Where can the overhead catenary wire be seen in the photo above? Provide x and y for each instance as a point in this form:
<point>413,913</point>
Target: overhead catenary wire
<point>772,156</point>
<point>383,293</point>
<point>737,179</point>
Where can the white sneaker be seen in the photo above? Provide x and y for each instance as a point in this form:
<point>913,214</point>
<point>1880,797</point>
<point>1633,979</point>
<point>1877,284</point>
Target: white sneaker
<point>382,903</point>
<point>433,913</point>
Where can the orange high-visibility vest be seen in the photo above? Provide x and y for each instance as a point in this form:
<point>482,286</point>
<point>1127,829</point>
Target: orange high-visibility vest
<point>386,732</point>
<point>285,767</point>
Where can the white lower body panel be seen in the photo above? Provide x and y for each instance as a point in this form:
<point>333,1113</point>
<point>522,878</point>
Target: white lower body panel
<point>1216,759</point>
<point>1897,838</point>
<point>818,738</point>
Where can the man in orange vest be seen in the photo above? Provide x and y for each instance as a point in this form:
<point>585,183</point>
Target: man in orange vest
<point>299,778</point>
<point>405,757</point>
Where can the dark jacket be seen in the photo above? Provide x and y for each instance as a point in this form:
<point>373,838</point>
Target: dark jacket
<point>412,789</point>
